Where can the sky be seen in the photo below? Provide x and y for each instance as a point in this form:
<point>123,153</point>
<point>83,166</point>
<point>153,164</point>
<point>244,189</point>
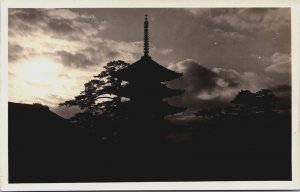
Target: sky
<point>53,52</point>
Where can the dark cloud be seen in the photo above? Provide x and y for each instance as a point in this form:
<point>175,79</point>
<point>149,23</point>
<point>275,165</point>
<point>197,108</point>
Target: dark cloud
<point>32,16</point>
<point>25,21</point>
<point>245,19</point>
<point>208,88</point>
<point>204,88</point>
<point>15,52</point>
<point>60,26</point>
<point>112,54</point>
<point>103,51</point>
<point>195,76</point>
<point>74,60</point>
<point>58,23</point>
<point>227,77</point>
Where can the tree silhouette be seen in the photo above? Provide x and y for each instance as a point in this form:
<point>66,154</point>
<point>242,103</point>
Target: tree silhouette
<point>245,103</point>
<point>100,95</point>
<point>249,103</point>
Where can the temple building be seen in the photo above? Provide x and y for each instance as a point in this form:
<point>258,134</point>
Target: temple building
<point>145,87</point>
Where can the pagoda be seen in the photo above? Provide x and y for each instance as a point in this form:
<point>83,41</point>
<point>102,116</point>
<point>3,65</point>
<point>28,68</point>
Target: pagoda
<point>145,88</point>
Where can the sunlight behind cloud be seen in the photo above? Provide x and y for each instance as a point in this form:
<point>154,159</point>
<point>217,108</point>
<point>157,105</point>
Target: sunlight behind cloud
<point>40,73</point>
<point>44,81</point>
<point>40,70</point>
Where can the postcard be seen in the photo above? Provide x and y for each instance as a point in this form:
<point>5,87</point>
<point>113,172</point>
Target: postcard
<point>140,95</point>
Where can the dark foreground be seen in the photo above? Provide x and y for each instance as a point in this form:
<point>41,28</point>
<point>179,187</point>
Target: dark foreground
<point>44,148</point>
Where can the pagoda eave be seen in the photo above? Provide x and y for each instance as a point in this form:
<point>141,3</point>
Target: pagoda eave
<point>145,78</point>
<point>160,92</point>
<point>144,70</point>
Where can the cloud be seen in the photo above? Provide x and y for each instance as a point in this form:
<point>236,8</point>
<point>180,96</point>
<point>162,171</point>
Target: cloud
<point>227,34</point>
<point>58,23</point>
<point>60,27</point>
<point>14,52</point>
<point>233,35</point>
<point>62,14</point>
<point>207,88</point>
<point>166,51</point>
<point>32,16</point>
<point>74,60</point>
<point>230,77</point>
<point>195,75</point>
<point>71,38</point>
<point>203,87</point>
<point>199,12</point>
<point>279,68</point>
<point>254,82</point>
<point>280,63</point>
<point>245,19</point>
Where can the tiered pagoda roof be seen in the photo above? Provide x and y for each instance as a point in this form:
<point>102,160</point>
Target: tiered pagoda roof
<point>145,88</point>
<point>156,91</point>
<point>145,70</point>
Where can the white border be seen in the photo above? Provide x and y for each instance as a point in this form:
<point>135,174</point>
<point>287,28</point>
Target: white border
<point>236,185</point>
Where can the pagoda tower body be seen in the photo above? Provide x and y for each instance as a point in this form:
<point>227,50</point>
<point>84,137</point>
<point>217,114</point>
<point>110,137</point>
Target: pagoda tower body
<point>145,87</point>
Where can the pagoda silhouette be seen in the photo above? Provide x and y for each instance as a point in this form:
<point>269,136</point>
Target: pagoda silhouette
<point>145,88</point>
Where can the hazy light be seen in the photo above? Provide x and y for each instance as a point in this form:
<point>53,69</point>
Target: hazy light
<point>44,80</point>
<point>40,70</point>
<point>34,78</point>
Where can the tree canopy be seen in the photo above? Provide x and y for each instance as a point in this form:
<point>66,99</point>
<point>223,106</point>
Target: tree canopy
<point>245,103</point>
<point>99,95</point>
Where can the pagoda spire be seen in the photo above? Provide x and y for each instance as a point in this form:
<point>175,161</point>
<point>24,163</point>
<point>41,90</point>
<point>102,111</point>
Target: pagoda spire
<point>146,37</point>
<point>145,90</point>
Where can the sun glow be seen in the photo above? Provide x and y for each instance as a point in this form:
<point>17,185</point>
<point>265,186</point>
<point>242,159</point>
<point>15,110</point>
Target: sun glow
<point>35,79</point>
<point>40,71</point>
<point>45,81</point>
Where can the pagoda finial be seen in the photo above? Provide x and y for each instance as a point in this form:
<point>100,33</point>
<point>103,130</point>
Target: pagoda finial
<point>146,37</point>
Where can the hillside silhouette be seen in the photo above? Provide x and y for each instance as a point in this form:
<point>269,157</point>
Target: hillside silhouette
<point>44,146</point>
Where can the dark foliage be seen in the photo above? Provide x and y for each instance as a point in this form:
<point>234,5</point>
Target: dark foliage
<point>99,95</point>
<point>245,103</point>
<point>102,108</point>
